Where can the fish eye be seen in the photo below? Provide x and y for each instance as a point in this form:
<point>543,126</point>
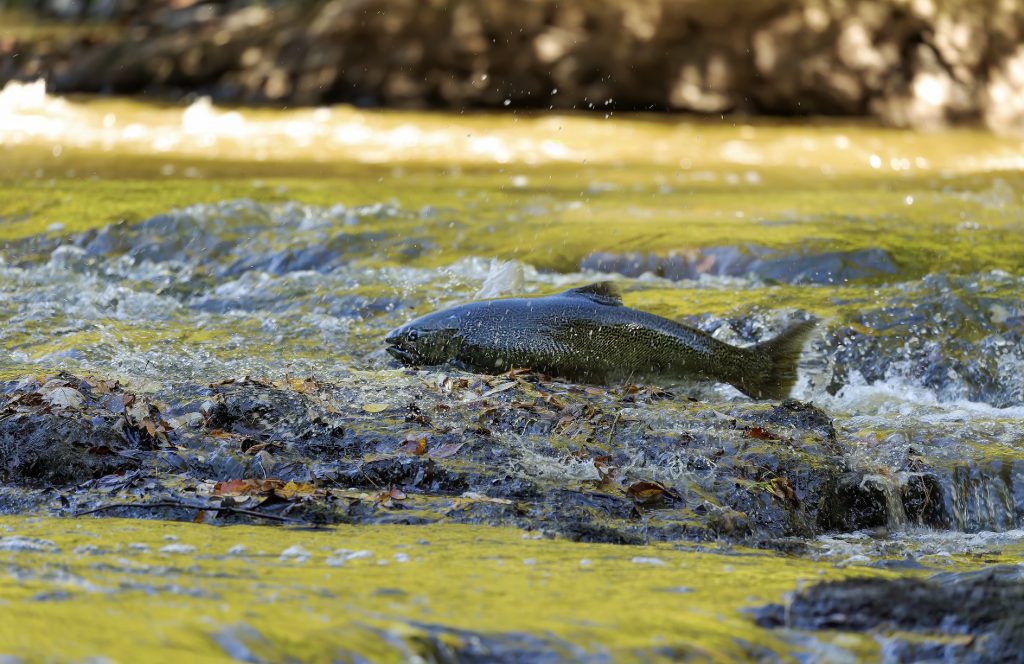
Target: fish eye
<point>413,335</point>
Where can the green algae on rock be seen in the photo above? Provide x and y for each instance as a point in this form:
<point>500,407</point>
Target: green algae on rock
<point>380,592</point>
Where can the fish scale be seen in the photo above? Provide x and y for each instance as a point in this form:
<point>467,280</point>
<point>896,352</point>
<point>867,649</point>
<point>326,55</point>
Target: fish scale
<point>587,335</point>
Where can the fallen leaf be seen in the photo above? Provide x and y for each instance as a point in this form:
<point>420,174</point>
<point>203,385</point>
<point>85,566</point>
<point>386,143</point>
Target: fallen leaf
<point>246,487</point>
<point>760,434</point>
<point>552,400</point>
<point>304,385</point>
<point>500,388</point>
<point>413,447</point>
<point>375,407</point>
<point>783,490</point>
<point>294,490</point>
<point>107,386</point>
<point>446,450</point>
<point>651,493</point>
<point>387,497</point>
<point>605,470</point>
<point>65,397</point>
<point>472,497</point>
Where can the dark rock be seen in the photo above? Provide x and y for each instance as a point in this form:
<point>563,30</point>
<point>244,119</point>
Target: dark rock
<point>754,475</point>
<point>833,267</point>
<point>982,605</point>
<point>941,333</point>
<point>56,450</point>
<point>264,413</point>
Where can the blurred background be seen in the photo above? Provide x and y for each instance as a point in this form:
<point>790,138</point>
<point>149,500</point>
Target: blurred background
<point>908,63</point>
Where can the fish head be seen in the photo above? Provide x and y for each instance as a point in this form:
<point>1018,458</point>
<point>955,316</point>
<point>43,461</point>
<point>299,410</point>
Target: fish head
<point>429,340</point>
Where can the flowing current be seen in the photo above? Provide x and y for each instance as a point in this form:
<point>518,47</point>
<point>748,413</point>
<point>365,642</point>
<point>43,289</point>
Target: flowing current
<point>276,247</point>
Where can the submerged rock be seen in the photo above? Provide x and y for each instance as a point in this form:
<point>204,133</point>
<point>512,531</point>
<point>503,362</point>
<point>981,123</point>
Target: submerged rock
<point>831,267</point>
<point>955,617</point>
<point>626,465</point>
<point>67,431</point>
<point>962,337</point>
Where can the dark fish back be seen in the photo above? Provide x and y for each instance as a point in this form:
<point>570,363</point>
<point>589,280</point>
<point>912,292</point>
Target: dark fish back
<point>580,339</point>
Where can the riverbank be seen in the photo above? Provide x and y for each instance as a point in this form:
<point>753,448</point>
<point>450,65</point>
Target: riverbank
<point>918,64</point>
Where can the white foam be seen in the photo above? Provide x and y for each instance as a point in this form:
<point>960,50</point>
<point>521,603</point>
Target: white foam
<point>898,396</point>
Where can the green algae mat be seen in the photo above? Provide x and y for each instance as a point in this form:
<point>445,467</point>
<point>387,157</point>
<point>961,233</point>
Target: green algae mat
<point>130,590</point>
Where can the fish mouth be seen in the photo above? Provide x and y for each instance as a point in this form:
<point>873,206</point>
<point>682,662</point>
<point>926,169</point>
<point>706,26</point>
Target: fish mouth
<point>401,354</point>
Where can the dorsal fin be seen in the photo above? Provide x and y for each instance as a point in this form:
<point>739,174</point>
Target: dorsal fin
<point>602,292</point>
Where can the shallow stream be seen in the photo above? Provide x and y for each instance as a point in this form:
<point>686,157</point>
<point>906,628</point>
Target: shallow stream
<point>204,260</point>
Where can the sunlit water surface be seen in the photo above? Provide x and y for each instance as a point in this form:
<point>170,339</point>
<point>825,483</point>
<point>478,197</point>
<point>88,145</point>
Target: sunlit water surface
<point>304,275</point>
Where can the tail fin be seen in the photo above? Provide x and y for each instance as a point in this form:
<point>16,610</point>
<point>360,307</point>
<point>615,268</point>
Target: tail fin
<point>774,370</point>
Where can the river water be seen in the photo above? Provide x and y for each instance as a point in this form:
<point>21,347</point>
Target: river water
<point>170,248</point>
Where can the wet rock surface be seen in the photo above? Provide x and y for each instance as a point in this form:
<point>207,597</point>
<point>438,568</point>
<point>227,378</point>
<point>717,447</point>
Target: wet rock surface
<point>622,465</point>
<point>954,617</point>
<point>220,292</point>
<point>919,64</point>
<point>958,336</point>
<point>831,267</point>
<point>68,430</point>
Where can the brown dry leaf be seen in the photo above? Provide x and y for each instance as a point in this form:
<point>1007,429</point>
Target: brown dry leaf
<point>446,450</point>
<point>605,470</point>
<point>650,493</point>
<point>563,422</point>
<point>760,433</point>
<point>255,448</point>
<point>449,384</point>
<point>106,386</point>
<point>294,490</point>
<point>529,388</point>
<point>387,497</point>
<point>375,407</point>
<point>413,447</point>
<point>500,388</point>
<point>596,391</point>
<point>552,400</point>
<point>783,490</point>
<point>304,385</point>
